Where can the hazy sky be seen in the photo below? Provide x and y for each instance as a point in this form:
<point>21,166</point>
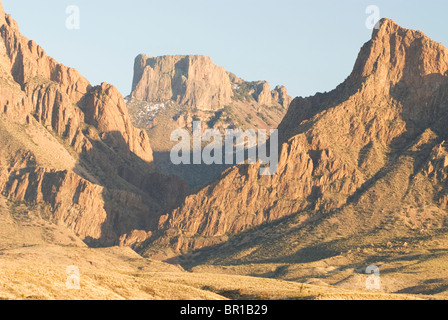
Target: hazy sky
<point>308,46</point>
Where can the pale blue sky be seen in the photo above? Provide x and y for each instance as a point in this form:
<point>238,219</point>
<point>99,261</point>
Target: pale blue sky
<point>308,46</point>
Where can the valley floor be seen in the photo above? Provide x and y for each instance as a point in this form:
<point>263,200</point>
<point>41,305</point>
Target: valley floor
<point>39,272</point>
<point>35,254</point>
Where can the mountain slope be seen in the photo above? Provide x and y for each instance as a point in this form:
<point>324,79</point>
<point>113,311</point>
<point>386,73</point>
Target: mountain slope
<point>35,254</point>
<point>364,159</point>
<point>72,147</point>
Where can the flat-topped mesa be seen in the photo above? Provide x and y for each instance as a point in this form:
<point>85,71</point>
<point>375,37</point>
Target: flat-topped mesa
<point>194,81</point>
<point>172,92</point>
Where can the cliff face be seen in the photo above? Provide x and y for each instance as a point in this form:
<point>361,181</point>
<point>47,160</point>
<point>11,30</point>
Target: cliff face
<point>108,120</point>
<point>194,81</point>
<point>73,200</point>
<point>72,147</point>
<point>171,92</point>
<point>360,153</point>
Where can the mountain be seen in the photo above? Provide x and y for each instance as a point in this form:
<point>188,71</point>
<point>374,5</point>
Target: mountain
<point>196,82</point>
<point>71,147</point>
<point>361,181</point>
<point>363,169</point>
<point>170,92</point>
<point>75,175</point>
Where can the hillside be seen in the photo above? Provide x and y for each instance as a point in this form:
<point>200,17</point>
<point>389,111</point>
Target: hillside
<point>35,254</point>
<point>76,175</point>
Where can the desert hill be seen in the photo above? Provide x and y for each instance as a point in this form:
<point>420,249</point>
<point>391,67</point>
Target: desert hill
<point>74,175</point>
<point>35,254</point>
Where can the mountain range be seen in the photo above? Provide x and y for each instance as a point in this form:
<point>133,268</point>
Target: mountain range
<point>362,170</point>
<point>362,179</point>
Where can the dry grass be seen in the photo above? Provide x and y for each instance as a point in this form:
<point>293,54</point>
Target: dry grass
<point>419,270</point>
<point>34,255</point>
<point>117,273</point>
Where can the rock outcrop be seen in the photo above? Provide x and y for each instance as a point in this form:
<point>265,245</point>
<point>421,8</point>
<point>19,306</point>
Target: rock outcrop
<point>353,153</point>
<point>106,110</point>
<point>171,92</point>
<point>280,94</point>
<point>2,15</point>
<point>194,81</point>
<point>71,199</point>
<point>72,148</point>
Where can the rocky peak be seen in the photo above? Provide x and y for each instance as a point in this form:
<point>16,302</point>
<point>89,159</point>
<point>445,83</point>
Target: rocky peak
<point>75,150</point>
<point>398,66</point>
<point>194,81</point>
<point>263,93</point>
<point>343,145</point>
<point>406,66</point>
<point>280,94</point>
<point>398,55</point>
<point>106,110</point>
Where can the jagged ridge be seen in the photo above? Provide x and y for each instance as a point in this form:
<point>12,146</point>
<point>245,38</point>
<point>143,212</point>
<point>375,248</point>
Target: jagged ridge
<point>347,154</point>
<point>96,176</point>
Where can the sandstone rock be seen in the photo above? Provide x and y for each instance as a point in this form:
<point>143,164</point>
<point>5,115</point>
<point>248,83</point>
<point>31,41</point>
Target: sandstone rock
<point>196,82</point>
<point>135,238</point>
<point>107,111</point>
<point>280,94</point>
<point>263,93</point>
<point>2,15</point>
<point>74,201</point>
